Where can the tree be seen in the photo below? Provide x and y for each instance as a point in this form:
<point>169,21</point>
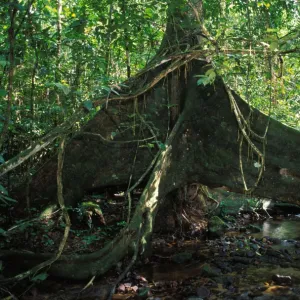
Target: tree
<point>176,122</point>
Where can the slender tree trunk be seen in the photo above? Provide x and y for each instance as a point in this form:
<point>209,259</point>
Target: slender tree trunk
<point>108,37</point>
<point>11,68</point>
<point>127,37</point>
<point>58,53</point>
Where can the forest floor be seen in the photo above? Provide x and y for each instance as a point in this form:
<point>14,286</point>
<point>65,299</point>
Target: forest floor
<point>240,264</point>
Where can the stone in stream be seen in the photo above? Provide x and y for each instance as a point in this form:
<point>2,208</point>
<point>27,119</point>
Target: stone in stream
<point>216,227</point>
<point>275,241</point>
<point>282,280</point>
<point>243,296</point>
<point>264,297</point>
<point>209,271</point>
<point>203,292</point>
<point>253,246</point>
<point>255,293</point>
<point>254,228</point>
<point>182,257</point>
<point>285,265</point>
<point>242,260</point>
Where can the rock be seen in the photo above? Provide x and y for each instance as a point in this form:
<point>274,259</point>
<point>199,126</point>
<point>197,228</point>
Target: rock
<point>239,267</point>
<point>275,241</point>
<point>209,271</point>
<point>243,296</point>
<point>182,257</point>
<point>224,266</point>
<point>250,254</point>
<point>254,228</point>
<point>263,297</point>
<point>243,229</point>
<point>216,227</point>
<point>285,265</point>
<point>253,246</point>
<point>242,260</point>
<point>144,292</point>
<point>297,245</point>
<point>274,253</point>
<point>240,244</point>
<point>282,280</point>
<point>228,281</point>
<point>255,293</point>
<point>286,255</point>
<point>203,292</point>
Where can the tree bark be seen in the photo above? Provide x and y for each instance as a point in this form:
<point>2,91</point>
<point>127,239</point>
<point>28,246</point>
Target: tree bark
<point>207,147</point>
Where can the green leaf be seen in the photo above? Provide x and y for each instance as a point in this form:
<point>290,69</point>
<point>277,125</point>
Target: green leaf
<point>144,292</point>
<point>8,199</point>
<point>150,145</point>
<point>274,45</point>
<point>66,90</point>
<point>3,190</point>
<point>272,29</point>
<point>162,146</point>
<point>113,134</point>
<point>39,277</point>
<point>211,74</point>
<point>3,63</point>
<point>2,160</point>
<point>3,93</point>
<point>204,80</point>
<point>2,232</point>
<point>148,13</point>
<point>106,88</point>
<point>88,105</point>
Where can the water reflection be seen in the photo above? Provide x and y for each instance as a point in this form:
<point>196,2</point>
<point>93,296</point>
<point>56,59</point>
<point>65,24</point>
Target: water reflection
<point>288,229</point>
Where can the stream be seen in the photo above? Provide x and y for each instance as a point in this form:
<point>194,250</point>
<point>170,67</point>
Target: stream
<point>260,266</point>
<point>284,230</point>
<point>237,266</point>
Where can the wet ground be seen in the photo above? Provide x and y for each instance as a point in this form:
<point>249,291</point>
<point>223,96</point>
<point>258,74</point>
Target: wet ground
<point>258,266</point>
<point>239,265</point>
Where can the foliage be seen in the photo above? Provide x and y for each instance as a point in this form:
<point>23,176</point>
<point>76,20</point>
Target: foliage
<point>5,200</point>
<point>39,277</point>
<point>55,73</point>
<point>64,59</point>
<point>259,62</point>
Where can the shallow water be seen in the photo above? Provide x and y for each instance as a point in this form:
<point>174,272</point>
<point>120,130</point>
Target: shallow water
<point>284,230</point>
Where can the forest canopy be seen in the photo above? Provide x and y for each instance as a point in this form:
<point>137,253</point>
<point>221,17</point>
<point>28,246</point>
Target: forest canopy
<point>56,56</point>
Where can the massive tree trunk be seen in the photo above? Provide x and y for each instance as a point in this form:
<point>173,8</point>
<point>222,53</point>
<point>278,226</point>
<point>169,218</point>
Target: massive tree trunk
<point>196,132</point>
<point>206,148</point>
